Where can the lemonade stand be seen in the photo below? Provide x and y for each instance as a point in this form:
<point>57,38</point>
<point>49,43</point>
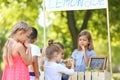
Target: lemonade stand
<point>96,70</point>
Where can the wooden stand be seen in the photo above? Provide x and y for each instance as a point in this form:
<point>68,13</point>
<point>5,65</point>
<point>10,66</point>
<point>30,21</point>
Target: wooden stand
<point>91,76</point>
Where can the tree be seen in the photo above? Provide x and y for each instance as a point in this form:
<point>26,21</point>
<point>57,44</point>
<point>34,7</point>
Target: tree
<point>65,24</point>
<point>72,25</point>
<point>13,11</point>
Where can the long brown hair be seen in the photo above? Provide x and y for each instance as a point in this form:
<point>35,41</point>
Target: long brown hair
<point>7,52</point>
<point>89,37</point>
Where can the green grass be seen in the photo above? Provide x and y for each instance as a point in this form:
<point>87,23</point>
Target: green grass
<point>116,76</point>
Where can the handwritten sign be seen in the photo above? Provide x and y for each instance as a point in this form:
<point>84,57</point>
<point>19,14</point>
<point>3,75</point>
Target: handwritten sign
<point>97,63</point>
<point>57,5</point>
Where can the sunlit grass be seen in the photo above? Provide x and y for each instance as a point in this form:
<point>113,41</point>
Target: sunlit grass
<point>2,65</point>
<point>116,76</point>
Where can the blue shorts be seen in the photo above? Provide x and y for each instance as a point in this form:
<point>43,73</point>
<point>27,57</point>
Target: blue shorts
<point>32,73</point>
<point>64,77</point>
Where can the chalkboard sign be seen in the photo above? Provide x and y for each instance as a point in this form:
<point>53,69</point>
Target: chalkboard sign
<point>97,63</point>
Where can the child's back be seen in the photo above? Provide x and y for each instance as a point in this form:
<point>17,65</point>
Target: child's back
<point>17,67</point>
<point>16,54</point>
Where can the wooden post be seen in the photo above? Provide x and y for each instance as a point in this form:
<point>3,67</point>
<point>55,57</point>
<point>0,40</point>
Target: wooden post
<point>74,77</point>
<point>95,75</point>
<point>104,75</point>
<point>81,76</point>
<point>87,75</point>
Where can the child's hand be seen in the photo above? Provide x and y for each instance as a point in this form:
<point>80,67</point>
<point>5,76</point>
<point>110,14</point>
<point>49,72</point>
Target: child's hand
<point>28,48</point>
<point>27,45</point>
<point>70,63</point>
<point>64,61</point>
<point>83,49</point>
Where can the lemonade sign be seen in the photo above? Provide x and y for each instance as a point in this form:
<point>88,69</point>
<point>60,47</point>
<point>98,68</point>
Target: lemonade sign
<point>57,5</point>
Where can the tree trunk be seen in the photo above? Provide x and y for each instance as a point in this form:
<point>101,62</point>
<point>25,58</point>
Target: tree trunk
<point>73,28</point>
<point>86,19</point>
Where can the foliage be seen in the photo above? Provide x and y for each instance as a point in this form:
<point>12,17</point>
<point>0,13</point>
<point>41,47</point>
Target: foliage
<point>12,11</point>
<point>116,76</point>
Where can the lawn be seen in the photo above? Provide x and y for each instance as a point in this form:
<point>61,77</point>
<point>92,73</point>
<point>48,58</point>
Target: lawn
<point>116,76</point>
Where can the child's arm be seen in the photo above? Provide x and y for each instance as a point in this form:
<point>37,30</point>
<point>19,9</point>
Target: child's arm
<point>35,50</point>
<point>86,59</point>
<point>65,70</point>
<point>85,56</point>
<point>72,63</point>
<point>35,67</point>
<point>27,58</point>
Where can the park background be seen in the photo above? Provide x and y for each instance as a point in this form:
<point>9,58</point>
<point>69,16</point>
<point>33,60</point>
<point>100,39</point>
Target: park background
<point>64,26</point>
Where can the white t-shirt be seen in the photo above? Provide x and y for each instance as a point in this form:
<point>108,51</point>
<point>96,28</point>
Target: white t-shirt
<point>35,50</point>
<point>53,71</point>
